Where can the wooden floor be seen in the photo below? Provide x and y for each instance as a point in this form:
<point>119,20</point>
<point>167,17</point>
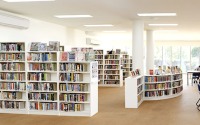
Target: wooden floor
<point>177,111</point>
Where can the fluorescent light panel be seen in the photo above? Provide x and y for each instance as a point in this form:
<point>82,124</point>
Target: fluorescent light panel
<point>103,25</point>
<point>73,16</point>
<point>163,24</point>
<point>156,14</point>
<point>27,0</point>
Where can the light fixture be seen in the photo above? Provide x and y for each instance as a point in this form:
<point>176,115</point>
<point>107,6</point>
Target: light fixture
<point>163,24</point>
<point>73,16</point>
<point>156,14</point>
<point>27,0</point>
<point>103,25</point>
<point>120,31</point>
<point>166,31</point>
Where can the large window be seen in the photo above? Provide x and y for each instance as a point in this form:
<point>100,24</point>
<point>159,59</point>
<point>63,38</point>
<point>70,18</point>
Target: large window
<point>186,57</point>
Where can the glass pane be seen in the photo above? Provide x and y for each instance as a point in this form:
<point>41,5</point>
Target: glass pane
<point>167,54</point>
<point>176,56</point>
<point>157,56</point>
<point>185,58</point>
<point>195,57</point>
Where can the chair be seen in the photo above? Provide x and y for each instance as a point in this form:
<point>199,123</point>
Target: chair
<point>195,78</point>
<point>198,104</point>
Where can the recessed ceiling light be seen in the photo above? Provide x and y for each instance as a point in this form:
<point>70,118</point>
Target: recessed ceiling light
<point>114,31</point>
<point>156,14</point>
<point>163,24</point>
<point>27,0</point>
<point>103,25</point>
<point>73,16</point>
<point>166,31</point>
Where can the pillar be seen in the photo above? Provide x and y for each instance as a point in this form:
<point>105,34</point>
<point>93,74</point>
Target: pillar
<point>149,51</point>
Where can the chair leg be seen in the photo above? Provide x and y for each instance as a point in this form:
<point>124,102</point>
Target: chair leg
<point>197,103</point>
<point>198,107</point>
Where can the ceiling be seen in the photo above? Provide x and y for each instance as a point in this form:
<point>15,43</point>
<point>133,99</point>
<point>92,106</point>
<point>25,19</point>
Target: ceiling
<point>119,13</point>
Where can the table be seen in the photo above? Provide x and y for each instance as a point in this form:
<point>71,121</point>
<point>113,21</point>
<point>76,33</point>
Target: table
<point>190,72</point>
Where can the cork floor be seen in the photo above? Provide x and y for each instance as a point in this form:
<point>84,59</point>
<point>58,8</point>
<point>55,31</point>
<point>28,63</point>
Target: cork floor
<point>177,111</point>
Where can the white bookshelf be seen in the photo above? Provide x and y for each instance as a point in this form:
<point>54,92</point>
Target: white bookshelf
<point>99,57</point>
<point>12,78</point>
<point>78,88</point>
<point>164,86</point>
<point>42,81</point>
<point>134,91</point>
<point>126,64</point>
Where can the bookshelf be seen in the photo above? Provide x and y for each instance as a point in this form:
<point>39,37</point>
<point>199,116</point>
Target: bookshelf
<point>78,88</point>
<point>109,68</point>
<point>42,80</point>
<point>126,64</point>
<point>113,76</point>
<point>134,91</point>
<point>12,77</point>
<point>99,57</point>
<point>165,86</point>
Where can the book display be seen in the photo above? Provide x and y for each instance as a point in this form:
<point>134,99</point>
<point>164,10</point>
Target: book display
<point>47,82</point>
<point>126,63</point>
<point>12,78</point>
<point>110,73</point>
<point>152,87</point>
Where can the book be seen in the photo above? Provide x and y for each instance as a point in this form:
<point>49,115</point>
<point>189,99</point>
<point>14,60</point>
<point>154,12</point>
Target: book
<point>34,46</point>
<point>42,47</point>
<point>54,45</point>
<point>64,56</point>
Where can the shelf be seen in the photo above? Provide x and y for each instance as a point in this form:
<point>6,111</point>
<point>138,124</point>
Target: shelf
<point>12,61</point>
<point>12,90</point>
<point>157,89</point>
<point>157,82</point>
<point>41,91</point>
<point>74,82</point>
<point>163,97</point>
<point>75,102</point>
<point>42,71</point>
<point>75,62</point>
<point>12,81</point>
<point>74,92</point>
<point>12,51</point>
<point>14,100</point>
<point>42,61</point>
<point>13,71</point>
<point>73,72</point>
<point>42,101</point>
<point>43,81</point>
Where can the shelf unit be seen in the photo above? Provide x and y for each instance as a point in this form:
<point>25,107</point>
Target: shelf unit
<point>12,78</point>
<point>31,82</point>
<point>78,88</point>
<point>42,82</point>
<point>165,86</point>
<point>99,57</point>
<point>134,91</point>
<point>152,87</point>
<point>126,64</point>
<point>109,69</point>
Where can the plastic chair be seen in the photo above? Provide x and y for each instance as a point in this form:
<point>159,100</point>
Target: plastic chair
<point>198,104</point>
<point>195,77</point>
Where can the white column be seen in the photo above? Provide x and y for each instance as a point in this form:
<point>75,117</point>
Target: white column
<point>149,51</point>
<point>138,46</point>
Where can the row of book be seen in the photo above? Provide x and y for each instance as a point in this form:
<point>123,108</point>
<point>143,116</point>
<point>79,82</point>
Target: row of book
<point>73,87</point>
<point>12,47</point>
<point>43,66</point>
<point>43,106</point>
<point>177,90</point>
<point>71,107</point>
<point>12,57</point>
<point>111,72</point>
<point>13,86</point>
<point>39,76</point>
<point>157,78</point>
<point>98,51</point>
<point>111,61</point>
<point>11,95</point>
<point>12,66</point>
<point>42,86</point>
<point>157,93</point>
<point>12,105</point>
<point>111,82</point>
<point>178,83</point>
<point>158,86</point>
<point>177,77</point>
<point>112,56</point>
<point>42,96</point>
<point>99,62</point>
<point>73,97</point>
<point>112,67</point>
<point>12,76</point>
<point>124,61</point>
<point>111,77</point>
<point>41,57</point>
<point>139,89</point>
<point>73,67</point>
<point>100,67</point>
<point>98,57</point>
<point>71,77</point>
<point>140,97</point>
